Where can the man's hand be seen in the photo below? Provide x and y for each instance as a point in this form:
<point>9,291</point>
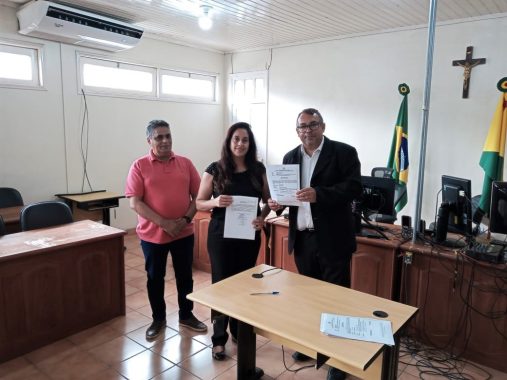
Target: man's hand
<point>173,227</point>
<point>308,194</point>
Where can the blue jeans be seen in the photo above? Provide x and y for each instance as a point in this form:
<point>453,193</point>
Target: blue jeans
<point>155,256</point>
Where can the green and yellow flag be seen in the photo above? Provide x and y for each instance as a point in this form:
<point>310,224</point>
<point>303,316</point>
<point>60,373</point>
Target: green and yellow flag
<point>398,157</point>
<point>494,148</point>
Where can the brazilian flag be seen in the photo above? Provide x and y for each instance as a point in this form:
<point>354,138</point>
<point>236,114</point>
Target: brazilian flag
<point>494,148</point>
<point>398,157</point>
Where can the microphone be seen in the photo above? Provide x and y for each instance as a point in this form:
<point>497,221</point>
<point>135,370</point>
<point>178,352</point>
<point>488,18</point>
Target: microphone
<point>261,275</point>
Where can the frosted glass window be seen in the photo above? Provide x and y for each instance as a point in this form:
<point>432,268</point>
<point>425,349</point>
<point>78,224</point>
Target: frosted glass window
<point>117,78</point>
<point>19,65</point>
<point>188,85</point>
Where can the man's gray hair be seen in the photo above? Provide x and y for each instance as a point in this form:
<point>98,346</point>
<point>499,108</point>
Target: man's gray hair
<point>155,124</point>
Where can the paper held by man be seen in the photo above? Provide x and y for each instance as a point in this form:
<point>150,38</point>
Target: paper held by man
<point>283,181</point>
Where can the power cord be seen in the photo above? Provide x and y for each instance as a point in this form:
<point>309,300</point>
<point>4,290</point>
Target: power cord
<point>297,369</point>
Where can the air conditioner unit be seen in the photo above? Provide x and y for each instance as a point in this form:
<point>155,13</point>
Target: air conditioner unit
<point>57,22</point>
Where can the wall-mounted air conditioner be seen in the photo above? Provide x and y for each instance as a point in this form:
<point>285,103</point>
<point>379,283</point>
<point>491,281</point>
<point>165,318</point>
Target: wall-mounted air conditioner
<point>57,22</point>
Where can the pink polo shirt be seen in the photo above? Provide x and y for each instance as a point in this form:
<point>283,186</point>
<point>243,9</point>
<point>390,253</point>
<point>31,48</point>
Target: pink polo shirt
<point>166,187</point>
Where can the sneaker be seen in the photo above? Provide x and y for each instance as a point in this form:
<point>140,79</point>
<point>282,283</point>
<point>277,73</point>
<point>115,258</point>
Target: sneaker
<point>155,328</point>
<point>299,357</point>
<point>193,324</point>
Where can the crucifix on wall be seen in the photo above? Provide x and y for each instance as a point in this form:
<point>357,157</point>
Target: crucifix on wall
<point>468,63</point>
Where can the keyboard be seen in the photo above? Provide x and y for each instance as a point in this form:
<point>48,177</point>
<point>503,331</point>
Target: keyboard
<point>492,253</point>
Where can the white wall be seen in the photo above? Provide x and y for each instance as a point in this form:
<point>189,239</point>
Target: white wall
<point>353,82</point>
<point>40,130</point>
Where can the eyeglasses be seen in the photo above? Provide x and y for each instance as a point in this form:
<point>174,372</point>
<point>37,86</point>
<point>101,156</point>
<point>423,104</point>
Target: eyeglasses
<point>162,137</point>
<point>312,126</point>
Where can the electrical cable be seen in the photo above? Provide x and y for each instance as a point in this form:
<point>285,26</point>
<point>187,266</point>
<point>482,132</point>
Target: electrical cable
<point>84,150</point>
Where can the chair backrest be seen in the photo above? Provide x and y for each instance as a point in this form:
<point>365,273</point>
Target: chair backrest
<point>45,214</point>
<point>10,197</point>
<point>382,172</point>
<point>2,227</point>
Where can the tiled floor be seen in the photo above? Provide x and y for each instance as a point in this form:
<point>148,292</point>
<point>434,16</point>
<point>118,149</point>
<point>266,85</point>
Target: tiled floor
<point>117,349</point>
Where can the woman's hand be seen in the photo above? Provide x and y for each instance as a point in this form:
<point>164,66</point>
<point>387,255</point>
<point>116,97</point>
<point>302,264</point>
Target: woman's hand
<point>258,223</point>
<point>274,205</point>
<point>223,200</point>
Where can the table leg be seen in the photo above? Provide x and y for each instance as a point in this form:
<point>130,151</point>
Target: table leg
<point>106,219</point>
<point>390,360</point>
<point>246,352</point>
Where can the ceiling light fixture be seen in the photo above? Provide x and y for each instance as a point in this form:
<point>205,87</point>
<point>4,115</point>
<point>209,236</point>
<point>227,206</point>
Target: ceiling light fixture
<point>205,21</point>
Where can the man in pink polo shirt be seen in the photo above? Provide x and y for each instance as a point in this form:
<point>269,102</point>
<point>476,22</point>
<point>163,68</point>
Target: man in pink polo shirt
<point>162,188</point>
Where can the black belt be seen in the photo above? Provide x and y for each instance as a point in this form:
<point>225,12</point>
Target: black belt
<point>307,230</point>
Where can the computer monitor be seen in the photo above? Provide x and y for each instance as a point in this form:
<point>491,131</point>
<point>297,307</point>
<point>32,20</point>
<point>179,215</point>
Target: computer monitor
<point>498,209</point>
<point>378,195</point>
<point>455,213</point>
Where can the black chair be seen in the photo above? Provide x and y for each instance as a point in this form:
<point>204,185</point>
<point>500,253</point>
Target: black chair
<point>10,197</point>
<point>2,227</point>
<point>384,172</point>
<point>45,214</point>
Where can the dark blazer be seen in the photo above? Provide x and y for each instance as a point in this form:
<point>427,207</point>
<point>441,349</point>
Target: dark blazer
<point>337,181</point>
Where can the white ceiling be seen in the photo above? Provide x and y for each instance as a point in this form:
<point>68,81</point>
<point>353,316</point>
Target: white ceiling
<point>253,24</point>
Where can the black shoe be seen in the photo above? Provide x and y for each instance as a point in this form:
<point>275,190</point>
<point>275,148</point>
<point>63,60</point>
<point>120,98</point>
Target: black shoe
<point>193,324</point>
<point>299,357</point>
<point>218,352</point>
<point>155,329</point>
<point>258,373</point>
<point>335,374</point>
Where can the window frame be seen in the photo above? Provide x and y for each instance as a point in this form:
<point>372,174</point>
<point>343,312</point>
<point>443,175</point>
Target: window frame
<point>37,63</point>
<point>213,78</point>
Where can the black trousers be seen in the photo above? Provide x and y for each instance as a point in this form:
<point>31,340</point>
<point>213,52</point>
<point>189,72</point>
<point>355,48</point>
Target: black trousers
<point>228,257</point>
<point>310,262</point>
<point>155,256</point>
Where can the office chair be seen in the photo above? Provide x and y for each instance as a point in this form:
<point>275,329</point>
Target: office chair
<point>384,172</point>
<point>2,227</point>
<point>45,214</point>
<point>10,197</point>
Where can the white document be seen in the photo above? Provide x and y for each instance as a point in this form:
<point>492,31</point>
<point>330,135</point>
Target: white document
<point>239,217</point>
<point>283,181</point>
<point>367,329</point>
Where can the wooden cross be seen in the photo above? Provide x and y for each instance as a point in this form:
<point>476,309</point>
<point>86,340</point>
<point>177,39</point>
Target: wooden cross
<point>468,63</point>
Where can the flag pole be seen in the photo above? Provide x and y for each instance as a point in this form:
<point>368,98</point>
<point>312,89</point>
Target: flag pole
<point>425,112</point>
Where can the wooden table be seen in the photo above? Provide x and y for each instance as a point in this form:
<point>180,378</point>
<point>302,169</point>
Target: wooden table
<point>10,215</point>
<point>462,303</point>
<point>292,318</point>
<point>57,281</point>
<point>101,200</point>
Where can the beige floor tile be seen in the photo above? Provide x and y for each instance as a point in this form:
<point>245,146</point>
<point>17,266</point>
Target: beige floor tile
<point>117,350</point>
<point>178,348</point>
<point>130,289</point>
<point>49,351</point>
<point>71,364</point>
<point>137,300</point>
<point>131,274</point>
<point>269,358</point>
<point>108,374</point>
<point>133,261</point>
<point>131,321</point>
<point>138,283</point>
<point>20,369</point>
<point>139,336</point>
<point>95,336</point>
<point>204,366</point>
<point>306,374</point>
<point>143,366</point>
<point>176,373</point>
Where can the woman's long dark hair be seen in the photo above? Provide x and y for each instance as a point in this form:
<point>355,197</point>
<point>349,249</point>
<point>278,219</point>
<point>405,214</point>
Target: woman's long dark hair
<point>226,166</point>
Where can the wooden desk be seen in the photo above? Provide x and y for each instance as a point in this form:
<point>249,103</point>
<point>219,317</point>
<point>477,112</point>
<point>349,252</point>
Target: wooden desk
<point>57,281</point>
<point>102,200</point>
<point>462,303</point>
<point>11,219</point>
<point>292,318</point>
<point>374,266</point>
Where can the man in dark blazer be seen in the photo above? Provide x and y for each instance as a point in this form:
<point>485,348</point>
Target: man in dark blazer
<point>321,230</point>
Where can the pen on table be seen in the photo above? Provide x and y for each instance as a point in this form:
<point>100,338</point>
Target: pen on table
<point>267,293</point>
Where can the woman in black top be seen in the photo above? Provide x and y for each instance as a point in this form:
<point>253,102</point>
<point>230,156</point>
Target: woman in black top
<point>238,172</point>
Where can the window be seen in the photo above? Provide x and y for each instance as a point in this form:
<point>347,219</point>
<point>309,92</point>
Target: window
<point>188,85</point>
<point>110,77</point>
<point>100,76</point>
<point>20,66</point>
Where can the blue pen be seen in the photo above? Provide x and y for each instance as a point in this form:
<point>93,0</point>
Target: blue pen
<point>267,293</point>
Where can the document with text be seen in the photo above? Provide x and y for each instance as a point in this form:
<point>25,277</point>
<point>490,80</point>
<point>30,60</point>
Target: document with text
<point>366,329</point>
<point>283,181</point>
<point>239,217</point>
